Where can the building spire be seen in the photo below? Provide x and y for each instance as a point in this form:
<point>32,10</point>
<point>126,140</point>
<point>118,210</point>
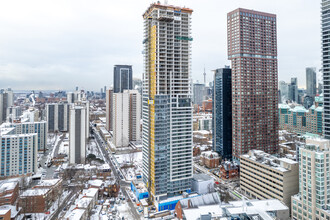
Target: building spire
<point>204,75</point>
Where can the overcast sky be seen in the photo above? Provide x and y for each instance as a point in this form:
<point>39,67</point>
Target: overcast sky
<point>47,44</point>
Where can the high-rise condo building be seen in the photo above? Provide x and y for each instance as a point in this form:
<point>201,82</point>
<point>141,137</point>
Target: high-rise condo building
<point>14,113</point>
<point>78,133</point>
<point>198,93</point>
<point>126,116</point>
<point>76,96</point>
<point>293,90</point>
<point>6,100</point>
<point>325,7</point>
<point>122,78</point>
<point>252,49</point>
<point>18,154</point>
<point>120,118</point>
<point>57,116</point>
<point>167,106</point>
<point>222,113</point>
<point>109,110</point>
<point>135,115</point>
<point>39,128</point>
<point>313,199</point>
<point>311,81</point>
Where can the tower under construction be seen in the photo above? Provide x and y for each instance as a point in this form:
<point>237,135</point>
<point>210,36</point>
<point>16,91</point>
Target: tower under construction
<point>167,105</point>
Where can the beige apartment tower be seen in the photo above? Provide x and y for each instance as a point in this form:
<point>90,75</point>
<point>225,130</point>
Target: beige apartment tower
<point>263,176</point>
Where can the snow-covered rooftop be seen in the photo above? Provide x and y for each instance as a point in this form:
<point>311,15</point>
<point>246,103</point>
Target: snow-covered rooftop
<point>91,192</point>
<point>97,183</point>
<point>266,159</point>
<point>84,202</point>
<point>49,182</point>
<point>14,210</point>
<point>7,185</point>
<point>35,192</point>
<point>75,214</point>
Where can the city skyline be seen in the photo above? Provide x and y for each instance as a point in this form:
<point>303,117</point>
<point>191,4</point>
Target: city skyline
<point>63,41</point>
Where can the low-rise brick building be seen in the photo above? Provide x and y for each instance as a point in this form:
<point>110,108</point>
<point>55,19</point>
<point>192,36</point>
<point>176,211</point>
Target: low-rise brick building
<point>209,159</point>
<point>229,170</point>
<point>41,197</point>
<point>9,191</point>
<point>36,200</point>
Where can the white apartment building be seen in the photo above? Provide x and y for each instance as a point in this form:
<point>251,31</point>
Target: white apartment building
<point>109,109</point>
<point>18,154</point>
<point>120,115</point>
<point>135,115</point>
<point>40,128</point>
<point>126,116</point>
<point>76,96</point>
<point>313,199</point>
<point>14,113</point>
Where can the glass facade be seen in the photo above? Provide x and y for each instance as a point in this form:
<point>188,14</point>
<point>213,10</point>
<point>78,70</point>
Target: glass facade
<point>222,113</point>
<point>122,78</point>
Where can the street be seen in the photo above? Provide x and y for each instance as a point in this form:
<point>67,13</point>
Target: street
<point>108,159</point>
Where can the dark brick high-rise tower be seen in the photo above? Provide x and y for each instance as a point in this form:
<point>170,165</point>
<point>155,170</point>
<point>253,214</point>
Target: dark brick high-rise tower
<point>252,49</point>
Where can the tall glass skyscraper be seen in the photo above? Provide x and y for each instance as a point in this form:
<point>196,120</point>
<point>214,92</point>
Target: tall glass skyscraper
<point>122,78</point>
<point>252,49</point>
<point>222,113</point>
<point>311,81</point>
<point>167,105</point>
<point>325,18</point>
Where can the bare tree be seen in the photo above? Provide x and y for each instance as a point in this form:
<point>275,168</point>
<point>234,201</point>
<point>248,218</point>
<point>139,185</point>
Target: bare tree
<point>131,157</point>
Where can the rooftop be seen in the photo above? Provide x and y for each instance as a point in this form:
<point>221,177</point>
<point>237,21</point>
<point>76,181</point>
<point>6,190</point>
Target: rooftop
<point>210,154</point>
<point>84,202</point>
<point>97,183</point>
<point>34,192</point>
<point>158,5</point>
<point>49,182</point>
<point>75,214</point>
<point>91,192</point>
<point>7,185</point>
<point>206,199</point>
<point>251,209</point>
<point>280,164</point>
<point>13,209</point>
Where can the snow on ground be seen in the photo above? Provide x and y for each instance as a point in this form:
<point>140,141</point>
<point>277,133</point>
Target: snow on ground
<point>51,139</point>
<point>126,159</point>
<point>124,211</point>
<point>93,149</point>
<point>64,147</point>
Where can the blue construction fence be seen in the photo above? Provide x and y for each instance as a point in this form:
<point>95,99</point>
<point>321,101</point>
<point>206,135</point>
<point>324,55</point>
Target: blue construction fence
<point>139,195</point>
